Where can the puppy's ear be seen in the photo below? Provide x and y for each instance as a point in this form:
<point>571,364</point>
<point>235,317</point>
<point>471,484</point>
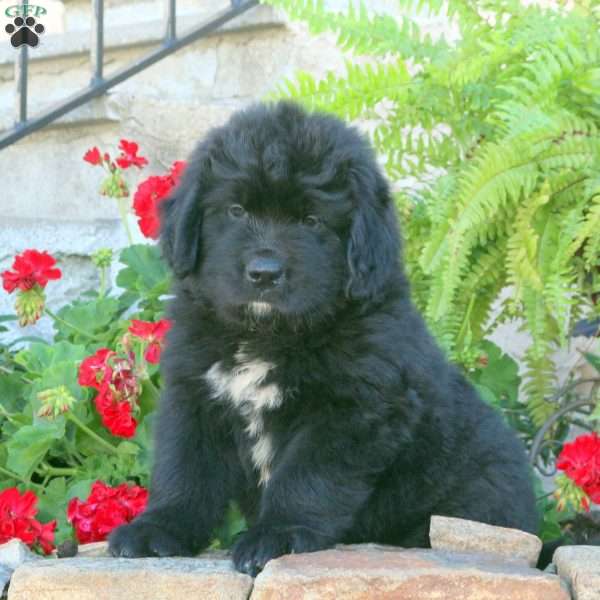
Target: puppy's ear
<point>374,244</point>
<point>181,223</point>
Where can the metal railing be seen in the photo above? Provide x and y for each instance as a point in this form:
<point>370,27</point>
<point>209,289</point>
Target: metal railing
<point>99,84</point>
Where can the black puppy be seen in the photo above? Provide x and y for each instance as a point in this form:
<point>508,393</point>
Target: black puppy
<point>299,379</point>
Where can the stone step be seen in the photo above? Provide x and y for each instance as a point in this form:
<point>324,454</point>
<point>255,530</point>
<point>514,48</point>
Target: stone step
<point>127,579</point>
<point>61,68</point>
<point>96,111</point>
<point>580,567</point>
<point>361,572</point>
<point>368,572</point>
<point>143,32</point>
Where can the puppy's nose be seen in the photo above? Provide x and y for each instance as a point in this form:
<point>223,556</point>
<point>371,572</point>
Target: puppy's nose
<point>264,271</point>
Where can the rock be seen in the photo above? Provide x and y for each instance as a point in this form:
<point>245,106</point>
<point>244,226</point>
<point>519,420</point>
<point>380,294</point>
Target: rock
<point>5,574</point>
<point>580,566</point>
<point>368,572</point>
<point>94,549</point>
<point>15,553</point>
<point>67,549</point>
<point>129,579</point>
<point>449,533</point>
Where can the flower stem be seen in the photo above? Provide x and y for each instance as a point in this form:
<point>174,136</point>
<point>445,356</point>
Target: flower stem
<point>69,325</point>
<point>151,395</point>
<point>18,477</point>
<point>50,471</point>
<point>123,213</point>
<point>153,389</point>
<point>8,416</point>
<point>102,289</point>
<point>93,435</point>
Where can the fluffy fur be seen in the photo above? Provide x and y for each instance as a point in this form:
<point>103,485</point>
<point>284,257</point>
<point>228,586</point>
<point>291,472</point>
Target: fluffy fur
<point>320,403</point>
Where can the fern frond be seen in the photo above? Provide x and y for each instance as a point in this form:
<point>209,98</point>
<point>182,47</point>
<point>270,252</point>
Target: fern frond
<point>361,88</point>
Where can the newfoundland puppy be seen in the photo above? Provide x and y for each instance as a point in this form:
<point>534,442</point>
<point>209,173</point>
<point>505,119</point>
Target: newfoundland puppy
<point>300,381</point>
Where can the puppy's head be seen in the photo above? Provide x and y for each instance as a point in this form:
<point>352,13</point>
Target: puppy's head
<point>282,214</point>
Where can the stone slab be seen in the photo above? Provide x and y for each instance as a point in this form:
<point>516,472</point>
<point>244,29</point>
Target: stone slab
<point>142,33</point>
<point>370,572</point>
<point>14,553</point>
<point>129,579</point>
<point>93,550</point>
<point>462,535</point>
<point>5,574</point>
<point>580,567</point>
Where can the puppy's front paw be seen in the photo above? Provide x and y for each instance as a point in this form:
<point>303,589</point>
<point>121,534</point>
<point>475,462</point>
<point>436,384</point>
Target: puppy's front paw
<point>146,539</point>
<point>257,546</point>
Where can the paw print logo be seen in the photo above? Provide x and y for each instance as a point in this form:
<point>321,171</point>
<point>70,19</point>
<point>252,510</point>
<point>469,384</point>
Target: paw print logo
<point>24,31</point>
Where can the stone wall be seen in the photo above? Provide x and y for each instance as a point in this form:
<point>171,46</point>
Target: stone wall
<point>50,196</point>
<point>468,561</point>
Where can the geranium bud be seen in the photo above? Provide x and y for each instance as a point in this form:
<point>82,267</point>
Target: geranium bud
<point>114,186</point>
<point>55,401</point>
<point>103,258</point>
<point>30,305</point>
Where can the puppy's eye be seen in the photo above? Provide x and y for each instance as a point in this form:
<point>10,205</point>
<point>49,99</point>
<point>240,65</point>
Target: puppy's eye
<point>236,211</point>
<point>311,221</point>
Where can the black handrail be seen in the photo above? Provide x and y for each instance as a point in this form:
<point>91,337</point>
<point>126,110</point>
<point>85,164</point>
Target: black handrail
<point>99,84</point>
<point>97,45</point>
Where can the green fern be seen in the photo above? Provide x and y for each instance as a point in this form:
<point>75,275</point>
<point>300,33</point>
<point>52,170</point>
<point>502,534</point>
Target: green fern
<point>495,141</point>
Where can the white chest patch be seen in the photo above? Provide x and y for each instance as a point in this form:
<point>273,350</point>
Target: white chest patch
<point>244,387</point>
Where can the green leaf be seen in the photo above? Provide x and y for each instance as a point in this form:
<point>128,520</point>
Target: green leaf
<point>145,271</point>
<point>53,506</point>
<point>27,338</point>
<point>80,489</point>
<point>487,395</point>
<point>593,359</point>
<point>126,447</point>
<point>233,524</point>
<point>12,389</point>
<point>89,317</point>
<point>28,446</point>
<point>39,357</point>
<point>501,375</point>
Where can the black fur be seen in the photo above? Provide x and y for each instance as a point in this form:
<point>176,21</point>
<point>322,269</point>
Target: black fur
<point>375,431</point>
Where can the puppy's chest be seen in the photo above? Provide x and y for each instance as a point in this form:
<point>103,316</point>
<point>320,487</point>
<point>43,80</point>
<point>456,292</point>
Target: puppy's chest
<point>249,385</point>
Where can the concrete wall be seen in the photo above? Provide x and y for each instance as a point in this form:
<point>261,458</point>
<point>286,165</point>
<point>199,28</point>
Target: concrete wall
<point>49,198</point>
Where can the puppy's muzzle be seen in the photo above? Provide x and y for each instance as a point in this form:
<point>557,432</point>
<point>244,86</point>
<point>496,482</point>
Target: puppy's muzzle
<point>264,272</point>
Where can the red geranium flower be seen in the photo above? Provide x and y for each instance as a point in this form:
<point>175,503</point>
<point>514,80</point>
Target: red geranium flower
<point>118,390</point>
<point>93,156</point>
<point>17,512</point>
<point>153,333</point>
<point>150,193</point>
<point>93,369</point>
<point>30,268</point>
<point>106,508</point>
<point>118,419</point>
<point>580,460</point>
<point>129,157</point>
